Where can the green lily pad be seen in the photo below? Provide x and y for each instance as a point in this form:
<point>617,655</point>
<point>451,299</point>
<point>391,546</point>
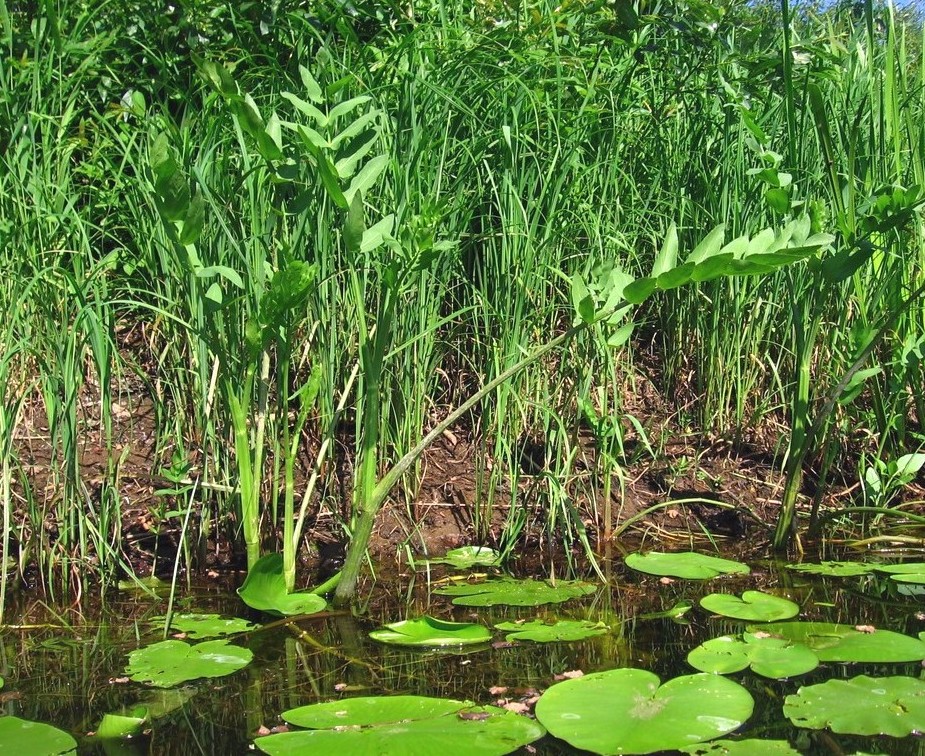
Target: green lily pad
<point>200,626</point>
<point>754,605</point>
<point>749,747</point>
<point>685,564</point>
<point>172,662</point>
<point>511,592</point>
<point>22,736</point>
<point>409,725</point>
<point>861,706</point>
<point>544,632</point>
<point>627,711</point>
<point>264,589</point>
<point>834,569</point>
<point>114,726</point>
<point>844,643</point>
<point>911,572</point>
<point>769,657</point>
<point>428,631</point>
<point>469,556</point>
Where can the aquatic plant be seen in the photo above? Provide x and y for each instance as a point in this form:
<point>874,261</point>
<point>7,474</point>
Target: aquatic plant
<point>559,631</point>
<point>172,662</point>
<point>753,605</point>
<point>429,631</point>
<point>513,592</point>
<point>685,564</point>
<point>765,655</point>
<point>22,736</point>
<point>833,642</point>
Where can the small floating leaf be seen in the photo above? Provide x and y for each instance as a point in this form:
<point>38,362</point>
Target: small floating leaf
<point>770,657</point>
<point>409,725</point>
<point>428,631</point>
<point>911,572</point>
<point>627,711</point>
<point>754,605</point>
<point>469,556</point>
<point>264,589</point>
<point>172,662</point>
<point>749,747</point>
<point>561,631</point>
<point>22,736</point>
<point>511,592</point>
<point>861,706</point>
<point>845,643</point>
<point>686,564</point>
<point>834,569</point>
<point>198,626</point>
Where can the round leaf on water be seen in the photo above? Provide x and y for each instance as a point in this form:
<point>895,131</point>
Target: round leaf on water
<point>754,605</point>
<point>476,731</point>
<point>197,626</point>
<point>428,631</point>
<point>861,706</point>
<point>511,592</point>
<point>769,657</point>
<point>544,632</point>
<point>371,710</point>
<point>834,569</point>
<point>626,711</point>
<point>172,662</point>
<point>911,572</point>
<point>264,589</point>
<point>685,564</point>
<point>468,556</point>
<point>22,736</point>
<point>844,643</point>
<point>750,747</point>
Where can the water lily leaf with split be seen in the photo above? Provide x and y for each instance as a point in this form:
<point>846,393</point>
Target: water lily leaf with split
<point>469,556</point>
<point>749,747</point>
<point>545,632</point>
<point>409,725</point>
<point>172,662</point>
<point>754,605</point>
<point>22,736</point>
<point>264,589</point>
<point>686,564</point>
<point>911,572</point>
<point>199,626</point>
<point>767,656</point>
<point>834,569</point>
<point>428,631</point>
<point>628,711</point>
<point>511,592</point>
<point>846,643</point>
<point>861,706</point>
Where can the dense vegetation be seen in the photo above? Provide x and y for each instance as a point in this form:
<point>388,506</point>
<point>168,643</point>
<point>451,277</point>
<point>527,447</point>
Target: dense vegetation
<point>307,231</point>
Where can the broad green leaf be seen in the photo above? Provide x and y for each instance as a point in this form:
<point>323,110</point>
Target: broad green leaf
<point>371,710</point>
<point>856,384</point>
<point>908,466</point>
<point>264,589</point>
<point>193,220</point>
<point>351,153</point>
<point>709,246</point>
<point>172,662</point>
<point>910,572</point>
<point>582,302</point>
<point>746,747</point>
<point>861,706</point>
<point>198,626</point>
<point>639,290</point>
<point>21,736</point>
<point>778,199</point>
<point>367,176</point>
<point>220,78</point>
<point>355,225</point>
<point>468,556</point>
<point>754,605</point>
<point>672,279</point>
<point>122,725</point>
<point>511,592</point>
<point>834,569</point>
<point>769,657</point>
<point>347,106</point>
<point>306,108</point>
<point>627,711</point>
<point>685,564</point>
<point>428,631</point>
<point>667,256</point>
<point>555,632</point>
<point>475,731</point>
<point>714,266</point>
<point>312,88</point>
<point>844,643</point>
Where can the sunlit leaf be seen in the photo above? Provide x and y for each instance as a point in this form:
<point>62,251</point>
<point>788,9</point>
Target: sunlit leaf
<point>264,589</point>
<point>511,592</point>
<point>684,564</point>
<point>172,662</point>
<point>429,631</point>
<point>552,632</point>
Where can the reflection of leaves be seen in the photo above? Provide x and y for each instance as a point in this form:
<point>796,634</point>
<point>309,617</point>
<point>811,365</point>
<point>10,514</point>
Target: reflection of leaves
<point>511,592</point>
<point>198,626</point>
<point>834,569</point>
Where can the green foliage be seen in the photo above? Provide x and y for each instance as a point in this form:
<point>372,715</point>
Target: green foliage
<point>766,656</point>
<point>845,643</point>
<point>512,592</point>
<point>172,662</point>
<point>834,569</point>
<point>198,626</point>
<point>466,557</point>
<point>561,631</point>
<point>753,605</point>
<point>686,565</point>
<point>428,631</point>
<point>265,590</point>
<point>23,736</point>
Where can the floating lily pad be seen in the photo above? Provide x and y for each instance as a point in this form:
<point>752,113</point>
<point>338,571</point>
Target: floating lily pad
<point>199,626</point>
<point>428,631</point>
<point>861,706</point>
<point>845,643</point>
<point>770,657</point>
<point>469,556</point>
<point>834,569</point>
<point>911,572</point>
<point>114,726</point>
<point>264,589</point>
<point>749,747</point>
<point>685,564</point>
<point>545,632</point>
<point>409,725</point>
<point>511,592</point>
<point>627,711</point>
<point>754,605</point>
<point>25,737</point>
<point>172,662</point>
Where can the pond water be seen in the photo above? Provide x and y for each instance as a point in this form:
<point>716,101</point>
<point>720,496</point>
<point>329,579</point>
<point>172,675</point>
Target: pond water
<point>65,665</point>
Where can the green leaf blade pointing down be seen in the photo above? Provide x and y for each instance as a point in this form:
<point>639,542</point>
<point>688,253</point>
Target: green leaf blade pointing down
<point>264,589</point>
